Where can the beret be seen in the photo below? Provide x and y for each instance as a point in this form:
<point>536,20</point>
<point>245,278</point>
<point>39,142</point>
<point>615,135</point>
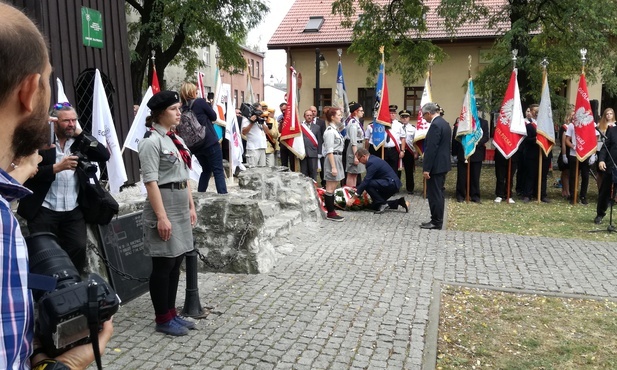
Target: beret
<point>353,106</point>
<point>163,99</point>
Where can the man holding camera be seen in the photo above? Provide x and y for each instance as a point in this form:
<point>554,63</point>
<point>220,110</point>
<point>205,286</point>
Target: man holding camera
<point>57,186</point>
<point>24,98</point>
<point>255,130</point>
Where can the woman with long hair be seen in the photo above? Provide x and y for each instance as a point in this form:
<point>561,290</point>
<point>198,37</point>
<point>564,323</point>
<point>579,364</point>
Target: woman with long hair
<point>606,121</point>
<point>333,144</point>
<point>169,212</point>
<point>208,153</point>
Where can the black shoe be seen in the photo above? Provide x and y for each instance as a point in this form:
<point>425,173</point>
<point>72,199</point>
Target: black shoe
<point>403,203</point>
<point>584,201</point>
<point>526,199</point>
<point>430,226</point>
<point>426,223</point>
<point>476,201</point>
<point>410,192</point>
<point>382,209</point>
<point>460,200</point>
<point>545,200</point>
<point>598,220</point>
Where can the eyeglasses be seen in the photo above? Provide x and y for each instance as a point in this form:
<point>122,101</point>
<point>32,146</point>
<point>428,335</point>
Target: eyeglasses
<point>59,106</point>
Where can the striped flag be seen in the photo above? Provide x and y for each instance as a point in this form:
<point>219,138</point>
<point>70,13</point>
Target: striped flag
<point>291,132</point>
<point>381,114</point>
<point>546,129</point>
<point>104,131</point>
<point>510,127</point>
<point>469,131</point>
<point>584,125</point>
<point>422,124</point>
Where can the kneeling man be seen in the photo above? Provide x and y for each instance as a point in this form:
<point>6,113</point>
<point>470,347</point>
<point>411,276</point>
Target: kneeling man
<point>380,182</point>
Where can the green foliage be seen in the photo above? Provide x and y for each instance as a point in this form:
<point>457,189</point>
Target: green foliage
<point>174,29</point>
<point>555,29</point>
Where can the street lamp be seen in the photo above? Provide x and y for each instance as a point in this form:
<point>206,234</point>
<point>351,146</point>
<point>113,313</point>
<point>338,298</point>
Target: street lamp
<point>318,59</point>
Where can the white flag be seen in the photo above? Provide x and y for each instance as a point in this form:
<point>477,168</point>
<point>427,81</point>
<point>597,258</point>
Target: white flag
<point>104,131</point>
<point>232,133</point>
<point>138,127</point>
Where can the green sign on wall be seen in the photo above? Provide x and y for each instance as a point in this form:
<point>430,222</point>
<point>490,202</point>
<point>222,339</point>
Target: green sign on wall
<point>92,27</point>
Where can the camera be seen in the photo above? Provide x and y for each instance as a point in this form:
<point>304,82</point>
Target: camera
<point>67,313</point>
<point>248,110</point>
<point>81,151</point>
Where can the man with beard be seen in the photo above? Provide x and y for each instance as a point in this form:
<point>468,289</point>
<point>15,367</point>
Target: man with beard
<point>54,205</point>
<point>24,96</point>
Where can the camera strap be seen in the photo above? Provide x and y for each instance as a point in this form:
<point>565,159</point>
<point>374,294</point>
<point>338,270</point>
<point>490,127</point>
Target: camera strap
<point>94,322</point>
<point>41,282</point>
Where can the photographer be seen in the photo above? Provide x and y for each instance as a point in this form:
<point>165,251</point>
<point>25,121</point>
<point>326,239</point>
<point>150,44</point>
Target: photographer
<point>58,184</point>
<point>255,130</point>
<point>24,96</point>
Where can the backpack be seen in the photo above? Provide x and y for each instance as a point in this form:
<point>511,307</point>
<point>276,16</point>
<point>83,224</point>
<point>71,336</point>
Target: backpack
<point>189,128</point>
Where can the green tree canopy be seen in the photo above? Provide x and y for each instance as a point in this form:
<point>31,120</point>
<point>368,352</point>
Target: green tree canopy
<point>555,29</point>
<point>172,30</point>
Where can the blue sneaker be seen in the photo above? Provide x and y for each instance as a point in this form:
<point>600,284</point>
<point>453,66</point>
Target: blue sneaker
<point>172,327</point>
<point>185,323</point>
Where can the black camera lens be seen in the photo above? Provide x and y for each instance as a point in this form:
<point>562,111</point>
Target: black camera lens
<point>47,258</point>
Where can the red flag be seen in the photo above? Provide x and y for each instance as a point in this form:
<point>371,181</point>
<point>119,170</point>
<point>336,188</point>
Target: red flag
<point>291,131</point>
<point>155,81</point>
<point>584,125</point>
<point>510,128</point>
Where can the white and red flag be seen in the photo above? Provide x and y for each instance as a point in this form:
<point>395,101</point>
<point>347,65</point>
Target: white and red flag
<point>201,89</point>
<point>510,127</point>
<point>291,131</point>
<point>422,125</point>
<point>584,125</point>
<point>232,133</point>
<point>546,129</point>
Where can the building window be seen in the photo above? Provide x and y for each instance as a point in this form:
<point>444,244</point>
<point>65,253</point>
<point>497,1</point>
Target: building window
<point>413,97</point>
<point>366,97</point>
<point>258,97</point>
<point>325,98</point>
<point>206,56</point>
<point>257,71</point>
<point>242,96</point>
<point>238,102</point>
<point>252,68</point>
<point>314,24</point>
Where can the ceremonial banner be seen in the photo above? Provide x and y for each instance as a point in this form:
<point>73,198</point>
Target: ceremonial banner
<point>469,131</point>
<point>422,125</point>
<point>232,132</point>
<point>138,127</point>
<point>584,125</point>
<point>381,115</point>
<point>291,131</point>
<point>340,95</point>
<point>546,129</point>
<point>104,131</point>
<point>510,126</point>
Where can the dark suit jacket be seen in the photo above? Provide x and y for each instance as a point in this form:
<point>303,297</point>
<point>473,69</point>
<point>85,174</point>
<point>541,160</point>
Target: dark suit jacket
<point>378,170</point>
<point>610,146</point>
<point>480,153</point>
<point>437,147</point>
<point>312,151</point>
<point>41,182</point>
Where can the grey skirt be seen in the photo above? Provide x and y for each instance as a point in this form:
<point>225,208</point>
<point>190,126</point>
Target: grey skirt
<point>176,205</point>
<point>340,171</point>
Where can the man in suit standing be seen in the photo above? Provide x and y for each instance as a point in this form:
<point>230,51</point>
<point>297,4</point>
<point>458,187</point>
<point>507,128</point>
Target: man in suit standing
<point>59,184</point>
<point>322,128</point>
<point>380,182</point>
<point>475,165</point>
<point>312,145</point>
<point>436,163</point>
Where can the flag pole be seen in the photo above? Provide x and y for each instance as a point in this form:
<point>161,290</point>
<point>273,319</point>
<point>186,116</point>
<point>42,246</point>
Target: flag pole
<point>468,182</point>
<point>508,181</point>
<point>431,60</point>
<point>574,196</point>
<point>544,64</point>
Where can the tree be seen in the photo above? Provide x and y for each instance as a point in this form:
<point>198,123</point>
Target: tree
<point>555,29</point>
<point>172,30</point>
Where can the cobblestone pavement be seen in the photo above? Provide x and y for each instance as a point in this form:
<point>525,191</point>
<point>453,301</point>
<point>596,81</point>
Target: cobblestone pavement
<point>353,295</point>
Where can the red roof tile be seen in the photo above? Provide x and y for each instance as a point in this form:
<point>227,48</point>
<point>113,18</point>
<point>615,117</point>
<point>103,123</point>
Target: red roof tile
<point>290,31</point>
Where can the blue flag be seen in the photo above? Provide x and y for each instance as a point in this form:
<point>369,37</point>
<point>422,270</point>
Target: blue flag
<point>469,128</point>
<point>381,113</point>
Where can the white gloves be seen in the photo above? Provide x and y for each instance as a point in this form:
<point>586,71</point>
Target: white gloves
<point>593,159</point>
<point>564,158</point>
